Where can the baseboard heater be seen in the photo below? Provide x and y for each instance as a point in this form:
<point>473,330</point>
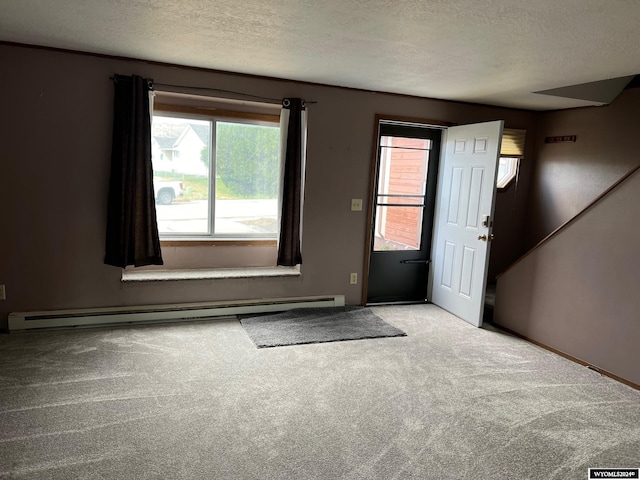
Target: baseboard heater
<point>163,313</point>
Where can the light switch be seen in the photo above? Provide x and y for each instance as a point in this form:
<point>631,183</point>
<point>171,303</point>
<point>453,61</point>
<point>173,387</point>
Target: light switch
<point>356,204</point>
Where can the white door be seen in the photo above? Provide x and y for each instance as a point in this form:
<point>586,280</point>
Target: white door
<point>463,218</point>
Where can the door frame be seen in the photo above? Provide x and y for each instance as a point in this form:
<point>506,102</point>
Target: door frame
<point>373,173</point>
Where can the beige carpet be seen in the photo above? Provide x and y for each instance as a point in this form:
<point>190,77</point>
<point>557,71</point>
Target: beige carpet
<point>199,401</point>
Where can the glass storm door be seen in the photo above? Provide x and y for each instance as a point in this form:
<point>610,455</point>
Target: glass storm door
<point>403,213</point>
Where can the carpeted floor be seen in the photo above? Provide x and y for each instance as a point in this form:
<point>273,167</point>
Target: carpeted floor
<point>199,401</point>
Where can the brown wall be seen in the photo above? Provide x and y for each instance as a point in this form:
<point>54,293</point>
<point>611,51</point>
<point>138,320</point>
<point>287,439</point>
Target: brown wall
<point>509,227</point>
<point>407,176</point>
<point>578,292</point>
<point>54,172</point>
<point>568,176</point>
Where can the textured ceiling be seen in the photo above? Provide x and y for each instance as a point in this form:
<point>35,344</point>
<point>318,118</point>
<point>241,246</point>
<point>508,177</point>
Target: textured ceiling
<point>493,52</point>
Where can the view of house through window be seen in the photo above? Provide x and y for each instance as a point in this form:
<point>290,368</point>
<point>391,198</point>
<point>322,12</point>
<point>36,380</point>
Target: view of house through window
<point>215,177</point>
<point>402,181</point>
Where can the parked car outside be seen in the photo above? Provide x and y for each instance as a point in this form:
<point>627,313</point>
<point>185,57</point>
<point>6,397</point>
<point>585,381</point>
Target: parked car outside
<point>167,191</point>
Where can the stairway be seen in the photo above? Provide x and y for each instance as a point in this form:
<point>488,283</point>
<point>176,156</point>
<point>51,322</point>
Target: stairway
<point>577,291</point>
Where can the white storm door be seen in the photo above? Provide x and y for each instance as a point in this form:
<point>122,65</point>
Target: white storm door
<point>463,218</point>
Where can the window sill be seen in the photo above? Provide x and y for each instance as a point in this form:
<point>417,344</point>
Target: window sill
<point>209,274</point>
<point>217,243</point>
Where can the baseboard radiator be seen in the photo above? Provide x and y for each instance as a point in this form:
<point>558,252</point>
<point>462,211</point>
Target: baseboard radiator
<point>163,313</point>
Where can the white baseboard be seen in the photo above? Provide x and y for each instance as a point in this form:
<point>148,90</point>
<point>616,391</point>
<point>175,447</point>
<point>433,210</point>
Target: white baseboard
<point>163,313</point>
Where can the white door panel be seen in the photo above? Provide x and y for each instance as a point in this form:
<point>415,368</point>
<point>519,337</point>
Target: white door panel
<point>466,193</point>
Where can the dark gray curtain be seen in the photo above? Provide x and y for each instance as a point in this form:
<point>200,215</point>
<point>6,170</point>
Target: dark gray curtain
<point>289,249</point>
<point>132,230</point>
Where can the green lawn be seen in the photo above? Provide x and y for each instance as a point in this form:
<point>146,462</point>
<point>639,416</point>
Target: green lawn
<point>196,187</point>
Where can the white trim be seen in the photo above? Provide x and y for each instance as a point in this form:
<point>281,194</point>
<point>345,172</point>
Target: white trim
<point>512,170</point>
<point>208,274</point>
<point>163,313</point>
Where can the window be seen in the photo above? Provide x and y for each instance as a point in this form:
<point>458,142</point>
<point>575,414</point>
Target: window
<point>216,177</point>
<point>511,152</point>
<point>403,165</point>
<point>507,170</point>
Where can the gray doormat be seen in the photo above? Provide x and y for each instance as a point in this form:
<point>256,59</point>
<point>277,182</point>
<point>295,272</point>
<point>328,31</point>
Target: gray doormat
<point>316,325</point>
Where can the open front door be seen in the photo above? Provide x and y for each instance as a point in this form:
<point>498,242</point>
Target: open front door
<point>463,219</point>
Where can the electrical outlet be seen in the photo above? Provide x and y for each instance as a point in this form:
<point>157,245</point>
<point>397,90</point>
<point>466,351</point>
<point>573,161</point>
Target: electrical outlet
<point>353,279</point>
<point>3,293</point>
<point>356,204</point>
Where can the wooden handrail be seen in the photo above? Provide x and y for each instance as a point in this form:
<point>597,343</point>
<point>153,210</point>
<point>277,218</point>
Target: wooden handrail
<point>572,219</point>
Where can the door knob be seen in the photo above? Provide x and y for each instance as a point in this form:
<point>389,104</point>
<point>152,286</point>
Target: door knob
<point>482,237</point>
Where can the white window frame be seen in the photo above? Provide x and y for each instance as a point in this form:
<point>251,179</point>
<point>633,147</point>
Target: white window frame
<point>197,113</point>
<point>512,172</point>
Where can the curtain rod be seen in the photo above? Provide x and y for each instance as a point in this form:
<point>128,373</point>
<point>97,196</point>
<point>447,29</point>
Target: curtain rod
<point>258,97</point>
<point>191,87</point>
